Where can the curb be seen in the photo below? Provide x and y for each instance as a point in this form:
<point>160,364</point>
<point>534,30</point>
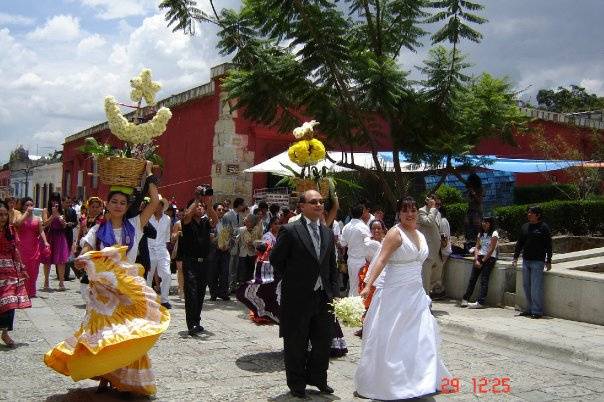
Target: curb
<point>521,344</point>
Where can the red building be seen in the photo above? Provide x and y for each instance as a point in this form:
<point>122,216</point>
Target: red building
<point>207,143</point>
<point>4,181</point>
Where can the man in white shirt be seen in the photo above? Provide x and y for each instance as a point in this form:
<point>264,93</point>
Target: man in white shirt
<point>353,236</point>
<point>158,251</point>
<point>429,220</point>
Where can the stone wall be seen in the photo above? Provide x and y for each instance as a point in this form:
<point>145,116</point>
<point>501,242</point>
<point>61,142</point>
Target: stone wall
<point>230,156</point>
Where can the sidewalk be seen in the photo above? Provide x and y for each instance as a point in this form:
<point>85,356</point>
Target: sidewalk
<point>548,337</point>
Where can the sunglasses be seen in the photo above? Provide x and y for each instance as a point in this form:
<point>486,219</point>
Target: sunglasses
<point>315,202</point>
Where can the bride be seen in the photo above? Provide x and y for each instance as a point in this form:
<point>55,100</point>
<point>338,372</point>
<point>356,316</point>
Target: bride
<point>400,357</point>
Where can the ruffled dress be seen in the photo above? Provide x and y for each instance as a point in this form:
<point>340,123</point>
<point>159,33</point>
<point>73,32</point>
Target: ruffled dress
<point>123,321</point>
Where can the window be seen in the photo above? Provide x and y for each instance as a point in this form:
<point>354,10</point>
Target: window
<point>95,171</point>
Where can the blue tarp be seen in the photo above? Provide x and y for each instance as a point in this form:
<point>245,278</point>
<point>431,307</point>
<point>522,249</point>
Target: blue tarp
<point>504,164</point>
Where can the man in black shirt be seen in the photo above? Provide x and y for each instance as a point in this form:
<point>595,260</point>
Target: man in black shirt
<point>195,246</point>
<point>535,243</point>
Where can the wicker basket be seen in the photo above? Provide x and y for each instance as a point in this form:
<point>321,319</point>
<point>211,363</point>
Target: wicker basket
<point>126,172</point>
<point>303,185</point>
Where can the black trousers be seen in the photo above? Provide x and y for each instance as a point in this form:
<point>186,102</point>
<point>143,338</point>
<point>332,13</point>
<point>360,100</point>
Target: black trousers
<point>195,275</point>
<point>484,272</point>
<point>309,367</point>
<point>218,280</point>
<point>245,268</point>
<point>6,320</point>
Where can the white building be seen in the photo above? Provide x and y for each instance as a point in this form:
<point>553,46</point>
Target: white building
<point>45,179</point>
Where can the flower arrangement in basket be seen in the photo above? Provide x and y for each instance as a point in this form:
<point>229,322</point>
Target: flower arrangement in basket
<point>306,153</point>
<point>123,168</point>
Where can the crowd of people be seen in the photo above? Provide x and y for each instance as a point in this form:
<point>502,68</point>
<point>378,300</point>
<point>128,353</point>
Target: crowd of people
<point>285,265</point>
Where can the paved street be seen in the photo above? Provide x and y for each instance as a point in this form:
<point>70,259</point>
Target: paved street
<point>238,361</point>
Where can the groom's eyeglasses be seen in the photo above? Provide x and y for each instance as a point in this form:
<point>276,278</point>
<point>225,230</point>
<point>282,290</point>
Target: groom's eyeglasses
<point>315,202</point>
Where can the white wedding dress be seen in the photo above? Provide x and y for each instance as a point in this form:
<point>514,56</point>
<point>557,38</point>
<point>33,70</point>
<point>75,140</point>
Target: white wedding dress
<point>400,357</point>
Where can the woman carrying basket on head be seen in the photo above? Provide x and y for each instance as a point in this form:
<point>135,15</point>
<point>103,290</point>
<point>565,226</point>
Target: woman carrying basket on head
<point>123,317</point>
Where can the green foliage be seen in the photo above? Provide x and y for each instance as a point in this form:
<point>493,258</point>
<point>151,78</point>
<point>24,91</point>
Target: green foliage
<point>93,147</point>
<point>449,195</point>
<point>456,214</point>
<point>564,217</point>
<point>563,100</point>
<point>545,192</point>
<point>340,64</point>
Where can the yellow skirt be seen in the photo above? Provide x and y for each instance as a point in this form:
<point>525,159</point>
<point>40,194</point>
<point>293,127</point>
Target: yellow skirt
<point>123,321</point>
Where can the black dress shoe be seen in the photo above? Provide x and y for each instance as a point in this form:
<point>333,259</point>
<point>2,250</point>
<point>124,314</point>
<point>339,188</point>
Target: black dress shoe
<point>524,314</point>
<point>167,305</point>
<point>213,298</point>
<point>192,332</point>
<point>324,388</point>
<point>225,298</point>
<point>198,329</point>
<point>298,393</point>
<point>536,316</point>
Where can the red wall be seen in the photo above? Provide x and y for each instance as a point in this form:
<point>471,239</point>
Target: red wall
<point>525,147</point>
<point>186,148</point>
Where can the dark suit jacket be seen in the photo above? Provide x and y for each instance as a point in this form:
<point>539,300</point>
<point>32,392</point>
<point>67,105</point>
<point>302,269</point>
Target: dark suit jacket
<point>294,259</point>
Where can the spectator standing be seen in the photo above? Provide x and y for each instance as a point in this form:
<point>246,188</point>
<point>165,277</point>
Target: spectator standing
<point>231,221</point>
<point>485,257</point>
<point>71,223</point>
<point>31,235</point>
<point>13,211</point>
<point>429,220</point>
<point>353,237</point>
<point>54,223</point>
<point>195,246</point>
<point>159,256</point>
<point>248,234</point>
<point>219,275</point>
<point>535,244</point>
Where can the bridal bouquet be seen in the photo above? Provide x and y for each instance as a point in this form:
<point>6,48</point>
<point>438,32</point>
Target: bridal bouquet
<point>349,310</point>
<point>124,167</point>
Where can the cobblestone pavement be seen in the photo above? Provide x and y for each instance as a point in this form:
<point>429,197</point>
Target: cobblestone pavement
<point>238,361</point>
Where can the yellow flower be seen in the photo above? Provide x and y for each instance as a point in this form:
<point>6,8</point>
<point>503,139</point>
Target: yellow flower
<point>316,151</point>
<point>299,153</point>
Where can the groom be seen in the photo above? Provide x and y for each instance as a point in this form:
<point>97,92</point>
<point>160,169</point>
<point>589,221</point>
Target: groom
<point>304,256</point>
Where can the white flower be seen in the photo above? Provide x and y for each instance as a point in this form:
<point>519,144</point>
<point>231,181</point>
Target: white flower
<point>133,133</point>
<point>349,311</point>
<point>305,129</point>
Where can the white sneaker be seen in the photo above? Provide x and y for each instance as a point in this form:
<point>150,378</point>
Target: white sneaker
<point>476,305</point>
<point>463,303</point>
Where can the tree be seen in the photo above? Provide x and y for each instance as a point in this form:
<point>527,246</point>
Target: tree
<point>339,62</point>
<point>563,100</point>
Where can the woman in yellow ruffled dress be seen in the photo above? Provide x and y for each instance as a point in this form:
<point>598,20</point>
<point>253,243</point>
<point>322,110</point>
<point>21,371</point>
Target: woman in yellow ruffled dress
<point>123,318</point>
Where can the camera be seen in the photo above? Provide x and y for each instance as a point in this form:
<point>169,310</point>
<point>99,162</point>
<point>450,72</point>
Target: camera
<point>204,189</point>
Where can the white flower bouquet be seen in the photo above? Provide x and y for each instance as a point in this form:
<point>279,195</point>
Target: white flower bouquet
<point>349,311</point>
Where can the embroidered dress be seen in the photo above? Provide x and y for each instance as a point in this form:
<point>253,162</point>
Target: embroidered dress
<point>123,321</point>
<point>262,295</point>
<point>13,294</point>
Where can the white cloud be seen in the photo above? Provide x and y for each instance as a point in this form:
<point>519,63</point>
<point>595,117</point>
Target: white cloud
<point>50,137</point>
<point>27,81</point>
<point>15,19</point>
<point>90,43</point>
<point>593,86</point>
<point>116,9</point>
<point>60,28</point>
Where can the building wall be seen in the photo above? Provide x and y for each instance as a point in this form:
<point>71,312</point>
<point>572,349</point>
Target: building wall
<point>45,179</point>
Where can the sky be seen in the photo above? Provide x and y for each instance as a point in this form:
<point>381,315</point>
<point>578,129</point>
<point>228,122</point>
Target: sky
<point>60,58</point>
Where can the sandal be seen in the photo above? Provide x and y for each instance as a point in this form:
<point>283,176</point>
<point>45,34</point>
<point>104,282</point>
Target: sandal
<point>8,341</point>
<point>62,288</point>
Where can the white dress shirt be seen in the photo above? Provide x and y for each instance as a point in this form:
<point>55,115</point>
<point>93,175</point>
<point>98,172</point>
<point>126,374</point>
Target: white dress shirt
<point>319,283</point>
<point>157,246</point>
<point>353,236</point>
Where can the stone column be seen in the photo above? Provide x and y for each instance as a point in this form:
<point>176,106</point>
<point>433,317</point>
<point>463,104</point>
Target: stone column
<point>230,157</point>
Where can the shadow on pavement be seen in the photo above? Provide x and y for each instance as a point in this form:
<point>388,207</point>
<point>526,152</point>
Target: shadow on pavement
<point>438,313</point>
<point>4,348</point>
<point>311,395</point>
<point>264,362</point>
<point>90,395</point>
<point>203,336</point>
